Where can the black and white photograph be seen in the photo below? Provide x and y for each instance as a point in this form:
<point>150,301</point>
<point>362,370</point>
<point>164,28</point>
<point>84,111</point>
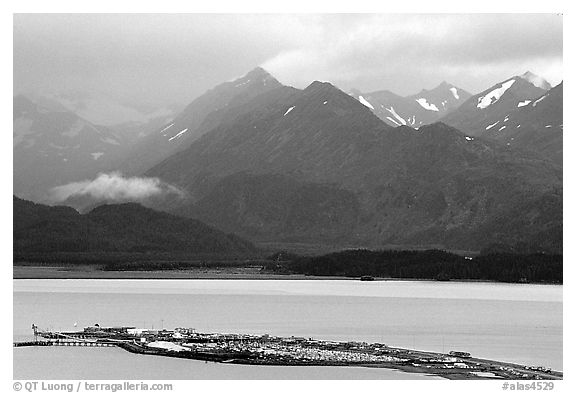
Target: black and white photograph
<point>286,196</point>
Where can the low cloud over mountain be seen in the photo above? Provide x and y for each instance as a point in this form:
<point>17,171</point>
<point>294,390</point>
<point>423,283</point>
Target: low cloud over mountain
<point>115,187</point>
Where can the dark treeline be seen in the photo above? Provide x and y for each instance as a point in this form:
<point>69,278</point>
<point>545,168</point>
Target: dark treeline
<point>430,264</point>
<point>181,265</point>
<point>178,265</point>
<point>135,261</point>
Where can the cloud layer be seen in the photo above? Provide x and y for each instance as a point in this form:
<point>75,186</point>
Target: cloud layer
<point>160,59</point>
<point>114,187</point>
<point>408,53</point>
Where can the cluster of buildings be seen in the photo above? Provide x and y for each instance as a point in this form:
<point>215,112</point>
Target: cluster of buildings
<point>255,346</point>
<point>293,349</point>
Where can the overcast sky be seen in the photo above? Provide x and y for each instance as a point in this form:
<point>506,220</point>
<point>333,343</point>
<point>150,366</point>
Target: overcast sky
<point>158,59</point>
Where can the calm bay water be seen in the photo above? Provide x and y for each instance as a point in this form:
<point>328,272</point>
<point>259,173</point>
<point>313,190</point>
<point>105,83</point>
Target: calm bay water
<point>516,323</point>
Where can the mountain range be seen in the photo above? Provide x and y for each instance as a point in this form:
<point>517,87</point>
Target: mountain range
<point>275,163</point>
<point>417,110</point>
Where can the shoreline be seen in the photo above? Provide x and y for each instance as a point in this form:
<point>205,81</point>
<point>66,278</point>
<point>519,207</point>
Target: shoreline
<point>27,272</point>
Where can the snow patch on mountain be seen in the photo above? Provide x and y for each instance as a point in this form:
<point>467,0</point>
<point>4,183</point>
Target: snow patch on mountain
<point>524,103</point>
<point>492,125</point>
<point>165,128</point>
<point>178,135</point>
<point>494,95</point>
<point>455,92</point>
<point>393,121</point>
<point>289,110</point>
<point>539,99</point>
<point>364,102</point>
<point>426,105</point>
<point>396,115</point>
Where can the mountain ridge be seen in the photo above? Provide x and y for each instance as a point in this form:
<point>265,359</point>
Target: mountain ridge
<point>127,227</point>
<point>276,163</point>
<point>386,184</point>
<point>414,110</point>
<point>185,127</point>
<point>478,113</point>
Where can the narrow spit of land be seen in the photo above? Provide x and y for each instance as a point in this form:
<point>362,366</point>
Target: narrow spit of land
<point>266,350</point>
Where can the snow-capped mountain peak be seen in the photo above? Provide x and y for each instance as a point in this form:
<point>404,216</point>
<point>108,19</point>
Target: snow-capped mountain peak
<point>488,111</point>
